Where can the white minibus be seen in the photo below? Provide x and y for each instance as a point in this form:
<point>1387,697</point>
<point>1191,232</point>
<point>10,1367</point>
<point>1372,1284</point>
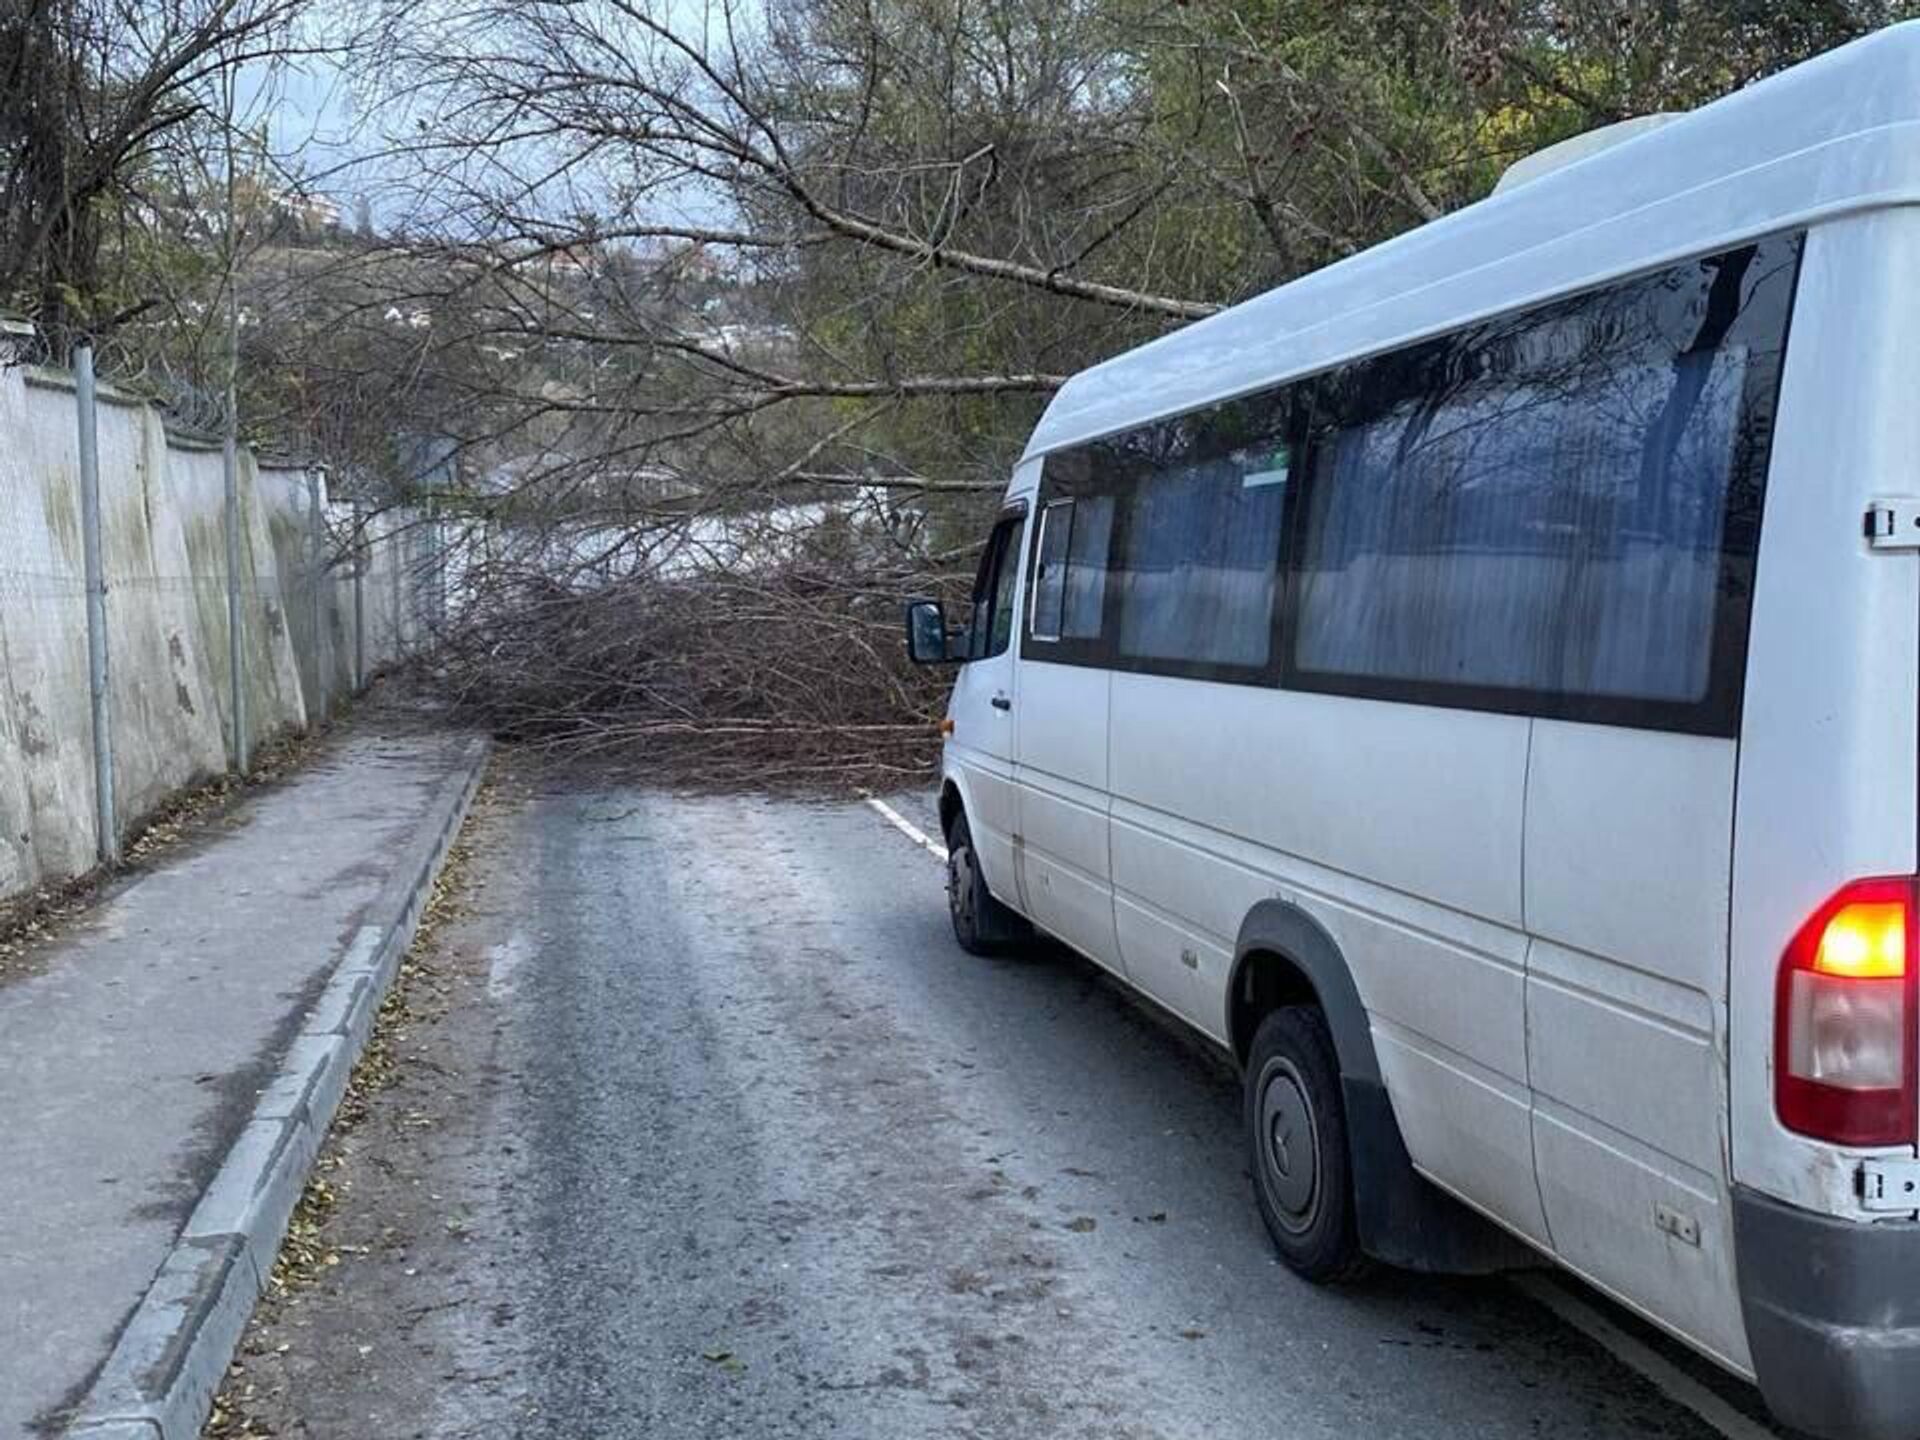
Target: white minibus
<point>1478,686</point>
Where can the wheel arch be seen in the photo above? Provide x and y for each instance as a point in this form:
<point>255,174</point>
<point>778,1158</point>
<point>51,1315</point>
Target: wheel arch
<point>952,804</point>
<point>1283,956</point>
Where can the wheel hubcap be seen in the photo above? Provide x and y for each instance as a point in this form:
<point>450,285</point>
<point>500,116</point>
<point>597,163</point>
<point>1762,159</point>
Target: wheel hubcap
<point>1290,1148</point>
<point>960,887</point>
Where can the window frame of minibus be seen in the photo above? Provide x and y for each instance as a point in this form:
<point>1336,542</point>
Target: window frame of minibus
<point>1716,713</point>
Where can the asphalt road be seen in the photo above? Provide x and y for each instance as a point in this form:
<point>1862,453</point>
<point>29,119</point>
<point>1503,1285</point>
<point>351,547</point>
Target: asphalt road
<point>712,1131</point>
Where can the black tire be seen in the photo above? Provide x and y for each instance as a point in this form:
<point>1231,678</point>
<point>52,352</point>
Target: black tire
<point>1297,1143</point>
<point>981,924</point>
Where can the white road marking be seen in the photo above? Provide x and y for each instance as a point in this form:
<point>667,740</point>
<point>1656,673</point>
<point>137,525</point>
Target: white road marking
<point>1666,1377</point>
<point>907,828</point>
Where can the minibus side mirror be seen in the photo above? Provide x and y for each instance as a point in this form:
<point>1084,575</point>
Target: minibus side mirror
<point>927,640</point>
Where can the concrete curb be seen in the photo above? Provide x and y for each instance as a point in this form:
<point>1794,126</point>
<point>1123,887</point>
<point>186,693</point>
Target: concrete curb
<point>168,1364</point>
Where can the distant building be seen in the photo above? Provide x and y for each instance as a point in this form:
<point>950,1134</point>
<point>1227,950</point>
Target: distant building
<point>309,208</point>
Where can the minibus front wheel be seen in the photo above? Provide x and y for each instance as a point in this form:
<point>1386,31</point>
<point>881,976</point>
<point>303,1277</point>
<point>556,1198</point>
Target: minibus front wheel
<point>1297,1135</point>
<point>981,924</point>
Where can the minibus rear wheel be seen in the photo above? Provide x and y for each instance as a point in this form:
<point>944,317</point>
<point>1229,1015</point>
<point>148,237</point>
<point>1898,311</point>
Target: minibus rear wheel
<point>1297,1135</point>
<point>981,924</point>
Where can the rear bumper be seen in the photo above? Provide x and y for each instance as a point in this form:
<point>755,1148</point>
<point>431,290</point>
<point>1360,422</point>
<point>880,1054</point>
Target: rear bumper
<point>1833,1318</point>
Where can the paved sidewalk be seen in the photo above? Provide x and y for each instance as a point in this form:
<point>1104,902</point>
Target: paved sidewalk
<point>131,1063</point>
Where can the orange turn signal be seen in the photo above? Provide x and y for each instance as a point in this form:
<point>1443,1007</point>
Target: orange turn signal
<point>1866,940</point>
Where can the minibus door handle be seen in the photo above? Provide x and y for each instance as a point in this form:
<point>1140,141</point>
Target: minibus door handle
<point>1001,702</point>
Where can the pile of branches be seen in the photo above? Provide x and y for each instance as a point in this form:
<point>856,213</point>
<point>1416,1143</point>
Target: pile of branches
<point>794,675</point>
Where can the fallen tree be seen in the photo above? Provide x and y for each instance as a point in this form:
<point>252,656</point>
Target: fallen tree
<point>792,674</point>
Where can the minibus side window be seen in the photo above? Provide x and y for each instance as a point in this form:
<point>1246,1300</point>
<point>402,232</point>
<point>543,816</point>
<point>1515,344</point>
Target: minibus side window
<point>1202,559</point>
<point>991,628</point>
<point>1070,573</point>
<point>1553,513</point>
<point>1050,571</point>
<point>1086,587</point>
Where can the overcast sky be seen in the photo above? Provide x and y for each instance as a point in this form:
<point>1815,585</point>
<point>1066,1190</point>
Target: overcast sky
<point>313,123</point>
<point>319,131</point>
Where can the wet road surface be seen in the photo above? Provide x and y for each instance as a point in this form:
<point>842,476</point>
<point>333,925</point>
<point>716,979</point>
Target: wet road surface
<point>714,1131</point>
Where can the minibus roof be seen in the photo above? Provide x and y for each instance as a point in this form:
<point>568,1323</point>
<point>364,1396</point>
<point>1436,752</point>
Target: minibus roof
<point>1837,134</point>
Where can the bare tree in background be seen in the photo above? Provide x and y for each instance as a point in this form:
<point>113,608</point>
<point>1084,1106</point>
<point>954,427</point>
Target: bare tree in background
<point>661,276</point>
<point>937,208</point>
<point>90,92</point>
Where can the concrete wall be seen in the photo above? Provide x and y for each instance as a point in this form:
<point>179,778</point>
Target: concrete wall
<point>165,562</point>
<point>342,625</point>
<point>317,629</point>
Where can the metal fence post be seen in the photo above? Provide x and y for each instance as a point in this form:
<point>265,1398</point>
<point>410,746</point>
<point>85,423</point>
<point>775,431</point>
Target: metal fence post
<point>434,580</point>
<point>397,556</point>
<point>105,823</point>
<point>360,561</point>
<point>236,639</point>
<point>317,536</point>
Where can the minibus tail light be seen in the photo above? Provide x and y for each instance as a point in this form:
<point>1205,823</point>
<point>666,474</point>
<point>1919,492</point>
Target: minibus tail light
<point>1844,1047</point>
